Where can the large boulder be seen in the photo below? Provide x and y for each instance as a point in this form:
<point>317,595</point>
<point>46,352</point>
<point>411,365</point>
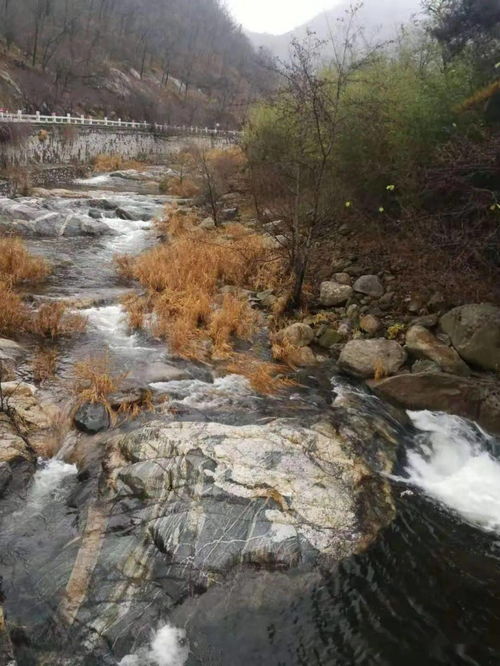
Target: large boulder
<point>92,418</point>
<point>84,225</point>
<point>474,331</point>
<point>370,285</point>
<point>421,343</point>
<point>299,335</point>
<point>367,358</point>
<point>472,399</point>
<point>334,293</point>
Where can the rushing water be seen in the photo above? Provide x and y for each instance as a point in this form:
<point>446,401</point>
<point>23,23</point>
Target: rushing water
<point>427,593</point>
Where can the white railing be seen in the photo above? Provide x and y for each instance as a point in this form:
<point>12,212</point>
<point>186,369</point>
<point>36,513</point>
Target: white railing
<point>53,119</point>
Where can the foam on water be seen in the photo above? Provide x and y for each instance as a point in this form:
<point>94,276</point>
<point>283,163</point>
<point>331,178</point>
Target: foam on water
<point>110,321</point>
<point>224,391</point>
<point>168,648</point>
<point>94,180</point>
<point>453,464</point>
<point>48,482</point>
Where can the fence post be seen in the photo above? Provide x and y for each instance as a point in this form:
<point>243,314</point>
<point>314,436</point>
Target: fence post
<point>38,116</point>
<point>19,114</point>
<point>119,122</point>
<point>106,120</point>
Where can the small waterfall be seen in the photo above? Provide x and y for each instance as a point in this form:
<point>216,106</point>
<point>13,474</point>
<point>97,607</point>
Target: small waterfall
<point>454,464</point>
<point>48,484</point>
<point>168,648</point>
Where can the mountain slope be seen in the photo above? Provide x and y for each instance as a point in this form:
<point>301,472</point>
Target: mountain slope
<point>380,20</point>
<point>174,60</point>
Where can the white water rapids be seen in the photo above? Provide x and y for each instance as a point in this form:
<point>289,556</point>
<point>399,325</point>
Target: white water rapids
<point>168,648</point>
<point>453,463</point>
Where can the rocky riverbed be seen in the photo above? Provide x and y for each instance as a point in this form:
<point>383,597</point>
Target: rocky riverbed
<point>221,526</point>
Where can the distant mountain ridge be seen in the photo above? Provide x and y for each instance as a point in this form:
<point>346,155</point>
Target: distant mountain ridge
<point>379,18</point>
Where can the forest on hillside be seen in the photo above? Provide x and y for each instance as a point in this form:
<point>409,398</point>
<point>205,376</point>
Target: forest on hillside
<point>394,144</point>
<point>185,62</point>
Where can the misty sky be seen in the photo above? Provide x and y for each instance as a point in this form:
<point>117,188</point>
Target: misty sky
<point>276,16</point>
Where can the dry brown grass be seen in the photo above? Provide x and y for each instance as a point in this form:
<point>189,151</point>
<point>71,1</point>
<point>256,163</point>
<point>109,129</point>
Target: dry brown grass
<point>44,365</point>
<point>284,351</point>
<point>95,382</point>
<point>54,320</point>
<point>105,163</point>
<point>185,188</point>
<point>176,221</point>
<point>14,315</point>
<point>379,369</point>
<point>182,279</point>
<point>18,266</point>
<point>264,377</point>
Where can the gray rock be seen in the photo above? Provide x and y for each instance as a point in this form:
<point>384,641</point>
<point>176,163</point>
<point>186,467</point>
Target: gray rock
<point>385,302</point>
<point>421,343</point>
<point>155,373</point>
<point>298,334</point>
<point>428,321</point>
<point>343,278</point>
<point>469,398</point>
<point>422,366</point>
<point>5,476</point>
<point>369,285</point>
<point>333,293</point>
<point>83,225</point>
<point>92,418</point>
<point>50,225</point>
<point>132,213</point>
<point>104,204</point>
<point>96,214</point>
<point>329,338</point>
<point>475,333</point>
<point>366,358</point>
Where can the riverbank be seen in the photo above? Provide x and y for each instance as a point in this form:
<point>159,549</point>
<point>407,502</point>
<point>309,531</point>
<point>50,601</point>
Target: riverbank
<point>193,508</point>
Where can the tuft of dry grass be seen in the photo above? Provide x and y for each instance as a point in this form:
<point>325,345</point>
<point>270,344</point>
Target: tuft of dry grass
<point>18,266</point>
<point>14,315</point>
<point>283,350</point>
<point>44,365</point>
<point>53,320</point>
<point>379,369</point>
<point>95,382</point>
<point>185,188</point>
<point>234,319</point>
<point>104,163</point>
<point>264,377</point>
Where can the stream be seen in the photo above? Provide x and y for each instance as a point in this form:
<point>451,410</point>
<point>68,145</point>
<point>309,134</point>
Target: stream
<point>425,593</point>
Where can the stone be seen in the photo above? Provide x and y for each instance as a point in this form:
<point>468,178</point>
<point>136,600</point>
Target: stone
<point>437,302</point>
<point>343,278</point>
<point>353,311</point>
<point>304,357</point>
<point>229,214</point>
<point>466,397</point>
<point>50,225</point>
<point>333,293</point>
<point>96,214</point>
<point>422,365</point>
<point>9,349</point>
<point>83,225</point>
<point>156,373</point>
<point>329,338</point>
<point>421,343</point>
<point>104,204</point>
<point>370,324</point>
<point>355,270</point>
<point>298,334</point>
<point>5,476</point>
<point>474,331</point>
<point>428,321</point>
<point>207,224</point>
<point>385,302</point>
<point>266,298</point>
<point>365,358</point>
<point>369,285</point>
<point>135,214</point>
<point>92,418</point>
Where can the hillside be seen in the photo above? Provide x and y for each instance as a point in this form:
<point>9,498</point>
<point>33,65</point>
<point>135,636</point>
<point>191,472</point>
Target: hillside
<point>163,60</point>
<point>380,20</point>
